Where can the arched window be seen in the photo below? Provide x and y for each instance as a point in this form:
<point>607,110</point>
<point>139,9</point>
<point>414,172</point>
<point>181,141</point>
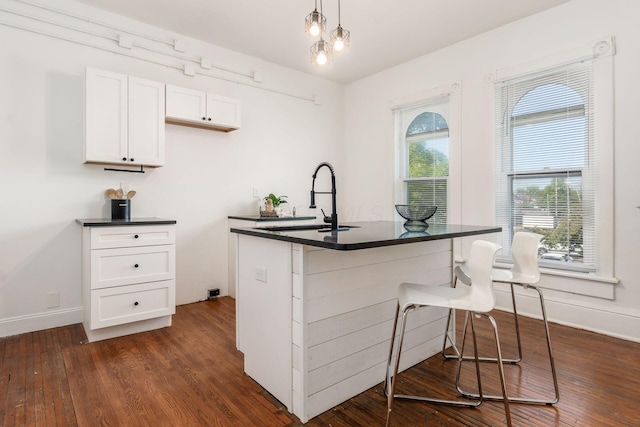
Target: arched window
<point>546,179</point>
<point>424,162</point>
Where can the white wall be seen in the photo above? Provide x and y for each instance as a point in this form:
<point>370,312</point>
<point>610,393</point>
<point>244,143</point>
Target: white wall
<point>208,175</point>
<point>369,141</point>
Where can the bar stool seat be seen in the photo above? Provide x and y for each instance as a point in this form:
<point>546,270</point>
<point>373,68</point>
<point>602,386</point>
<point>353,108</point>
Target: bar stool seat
<point>476,300</point>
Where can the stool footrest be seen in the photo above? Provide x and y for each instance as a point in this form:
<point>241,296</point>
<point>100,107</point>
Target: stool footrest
<point>466,403</point>
<point>482,359</point>
<point>496,398</point>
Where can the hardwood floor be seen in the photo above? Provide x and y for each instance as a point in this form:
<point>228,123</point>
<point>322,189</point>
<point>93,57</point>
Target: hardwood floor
<point>191,375</point>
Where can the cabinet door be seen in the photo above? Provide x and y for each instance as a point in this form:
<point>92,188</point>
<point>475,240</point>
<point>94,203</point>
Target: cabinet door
<point>106,117</point>
<point>125,304</point>
<point>186,104</point>
<point>146,122</point>
<point>223,112</point>
<point>128,236</point>
<point>126,266</point>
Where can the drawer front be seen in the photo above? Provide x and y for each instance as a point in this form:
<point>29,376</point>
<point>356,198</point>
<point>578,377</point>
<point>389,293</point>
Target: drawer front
<point>130,236</point>
<point>125,304</point>
<point>126,266</point>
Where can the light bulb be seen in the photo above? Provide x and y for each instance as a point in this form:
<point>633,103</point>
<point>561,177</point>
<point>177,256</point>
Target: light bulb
<point>321,58</point>
<point>338,44</point>
<point>314,30</point>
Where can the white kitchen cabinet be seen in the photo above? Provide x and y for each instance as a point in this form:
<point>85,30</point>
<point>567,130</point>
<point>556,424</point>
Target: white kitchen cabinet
<point>196,108</point>
<point>128,279</point>
<point>124,120</point>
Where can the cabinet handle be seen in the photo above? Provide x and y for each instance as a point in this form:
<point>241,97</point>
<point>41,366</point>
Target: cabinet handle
<point>209,119</point>
<point>124,159</point>
<point>131,159</point>
<point>136,236</point>
<point>204,118</point>
<point>136,303</point>
<point>136,266</point>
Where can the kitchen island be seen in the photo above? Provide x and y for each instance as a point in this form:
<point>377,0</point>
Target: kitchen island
<point>316,307</point>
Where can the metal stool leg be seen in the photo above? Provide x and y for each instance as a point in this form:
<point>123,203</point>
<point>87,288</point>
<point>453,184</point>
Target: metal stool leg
<point>447,337</point>
<point>554,376</point>
<point>390,381</point>
<point>505,399</point>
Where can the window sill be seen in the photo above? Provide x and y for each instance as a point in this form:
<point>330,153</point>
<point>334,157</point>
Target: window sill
<point>574,282</point>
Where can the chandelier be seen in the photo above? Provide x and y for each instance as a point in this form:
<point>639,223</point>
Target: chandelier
<point>315,25</point>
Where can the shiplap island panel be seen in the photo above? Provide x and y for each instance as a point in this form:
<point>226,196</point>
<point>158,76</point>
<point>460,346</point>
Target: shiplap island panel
<point>316,309</point>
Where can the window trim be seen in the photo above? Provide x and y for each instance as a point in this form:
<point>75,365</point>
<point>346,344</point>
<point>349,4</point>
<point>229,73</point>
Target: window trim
<point>452,92</point>
<point>601,52</point>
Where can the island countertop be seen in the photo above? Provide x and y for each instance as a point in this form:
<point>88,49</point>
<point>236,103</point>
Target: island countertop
<point>363,235</point>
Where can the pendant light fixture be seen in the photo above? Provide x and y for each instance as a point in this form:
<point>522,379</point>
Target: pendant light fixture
<point>315,23</point>
<point>321,50</point>
<point>340,37</point>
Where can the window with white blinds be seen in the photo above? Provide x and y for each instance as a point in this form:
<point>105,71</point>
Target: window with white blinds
<point>547,172</point>
<point>422,140</point>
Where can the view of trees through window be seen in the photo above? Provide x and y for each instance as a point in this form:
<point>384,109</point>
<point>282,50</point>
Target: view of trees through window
<point>551,206</point>
<point>548,128</point>
<point>427,150</point>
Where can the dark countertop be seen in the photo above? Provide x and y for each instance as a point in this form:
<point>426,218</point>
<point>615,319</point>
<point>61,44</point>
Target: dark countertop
<point>259,218</point>
<point>368,234</point>
<point>108,222</point>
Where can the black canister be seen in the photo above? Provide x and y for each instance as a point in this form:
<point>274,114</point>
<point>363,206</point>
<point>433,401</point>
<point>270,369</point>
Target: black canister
<point>121,209</point>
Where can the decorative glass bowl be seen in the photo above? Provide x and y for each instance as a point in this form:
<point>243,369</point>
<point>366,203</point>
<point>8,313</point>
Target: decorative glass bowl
<point>416,216</point>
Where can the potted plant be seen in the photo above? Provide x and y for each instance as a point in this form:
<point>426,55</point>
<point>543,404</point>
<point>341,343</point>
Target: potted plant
<point>272,202</point>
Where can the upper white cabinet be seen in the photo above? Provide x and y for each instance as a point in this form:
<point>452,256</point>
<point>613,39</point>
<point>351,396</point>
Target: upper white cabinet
<point>200,109</point>
<point>124,119</point>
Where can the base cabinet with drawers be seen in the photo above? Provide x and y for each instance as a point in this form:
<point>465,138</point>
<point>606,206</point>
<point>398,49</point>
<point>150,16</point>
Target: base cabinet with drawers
<point>128,278</point>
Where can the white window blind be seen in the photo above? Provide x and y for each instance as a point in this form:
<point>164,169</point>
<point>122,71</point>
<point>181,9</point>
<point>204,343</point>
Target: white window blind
<point>423,156</point>
<point>547,173</point>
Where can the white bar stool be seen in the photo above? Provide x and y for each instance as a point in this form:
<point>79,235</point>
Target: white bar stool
<point>476,300</point>
<point>525,273</point>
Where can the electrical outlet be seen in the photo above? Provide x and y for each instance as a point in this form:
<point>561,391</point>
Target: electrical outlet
<point>255,193</point>
<point>261,274</point>
<point>212,293</point>
<point>53,299</point>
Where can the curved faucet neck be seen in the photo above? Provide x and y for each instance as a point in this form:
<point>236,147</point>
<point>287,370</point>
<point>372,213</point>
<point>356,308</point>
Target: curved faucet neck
<point>322,165</point>
<point>334,211</point>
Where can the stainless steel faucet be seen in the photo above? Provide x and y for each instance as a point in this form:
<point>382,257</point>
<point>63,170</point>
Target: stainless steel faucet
<point>333,219</point>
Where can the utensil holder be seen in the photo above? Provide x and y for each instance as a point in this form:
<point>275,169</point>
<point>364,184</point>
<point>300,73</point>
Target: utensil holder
<point>121,209</point>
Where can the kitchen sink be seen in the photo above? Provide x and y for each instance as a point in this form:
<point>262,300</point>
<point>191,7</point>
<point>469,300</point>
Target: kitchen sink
<point>306,227</point>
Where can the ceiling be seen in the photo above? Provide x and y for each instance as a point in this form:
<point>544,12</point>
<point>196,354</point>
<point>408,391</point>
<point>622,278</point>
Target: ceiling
<point>384,33</point>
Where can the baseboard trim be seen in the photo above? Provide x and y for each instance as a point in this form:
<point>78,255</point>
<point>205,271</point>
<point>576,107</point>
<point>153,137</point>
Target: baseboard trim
<point>39,321</point>
<point>602,320</point>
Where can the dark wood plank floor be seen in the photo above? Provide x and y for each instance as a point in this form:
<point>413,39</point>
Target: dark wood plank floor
<point>191,375</point>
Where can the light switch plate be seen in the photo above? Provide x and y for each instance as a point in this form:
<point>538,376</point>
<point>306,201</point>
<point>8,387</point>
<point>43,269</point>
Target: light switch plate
<point>261,274</point>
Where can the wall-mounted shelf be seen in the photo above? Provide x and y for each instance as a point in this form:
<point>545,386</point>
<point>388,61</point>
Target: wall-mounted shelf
<point>194,108</point>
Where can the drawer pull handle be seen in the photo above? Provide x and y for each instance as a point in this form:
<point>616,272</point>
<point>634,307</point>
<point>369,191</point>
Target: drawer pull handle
<point>136,303</point>
<point>136,236</point>
<point>136,266</point>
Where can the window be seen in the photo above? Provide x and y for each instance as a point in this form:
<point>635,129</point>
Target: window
<point>547,166</point>
<point>423,163</point>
